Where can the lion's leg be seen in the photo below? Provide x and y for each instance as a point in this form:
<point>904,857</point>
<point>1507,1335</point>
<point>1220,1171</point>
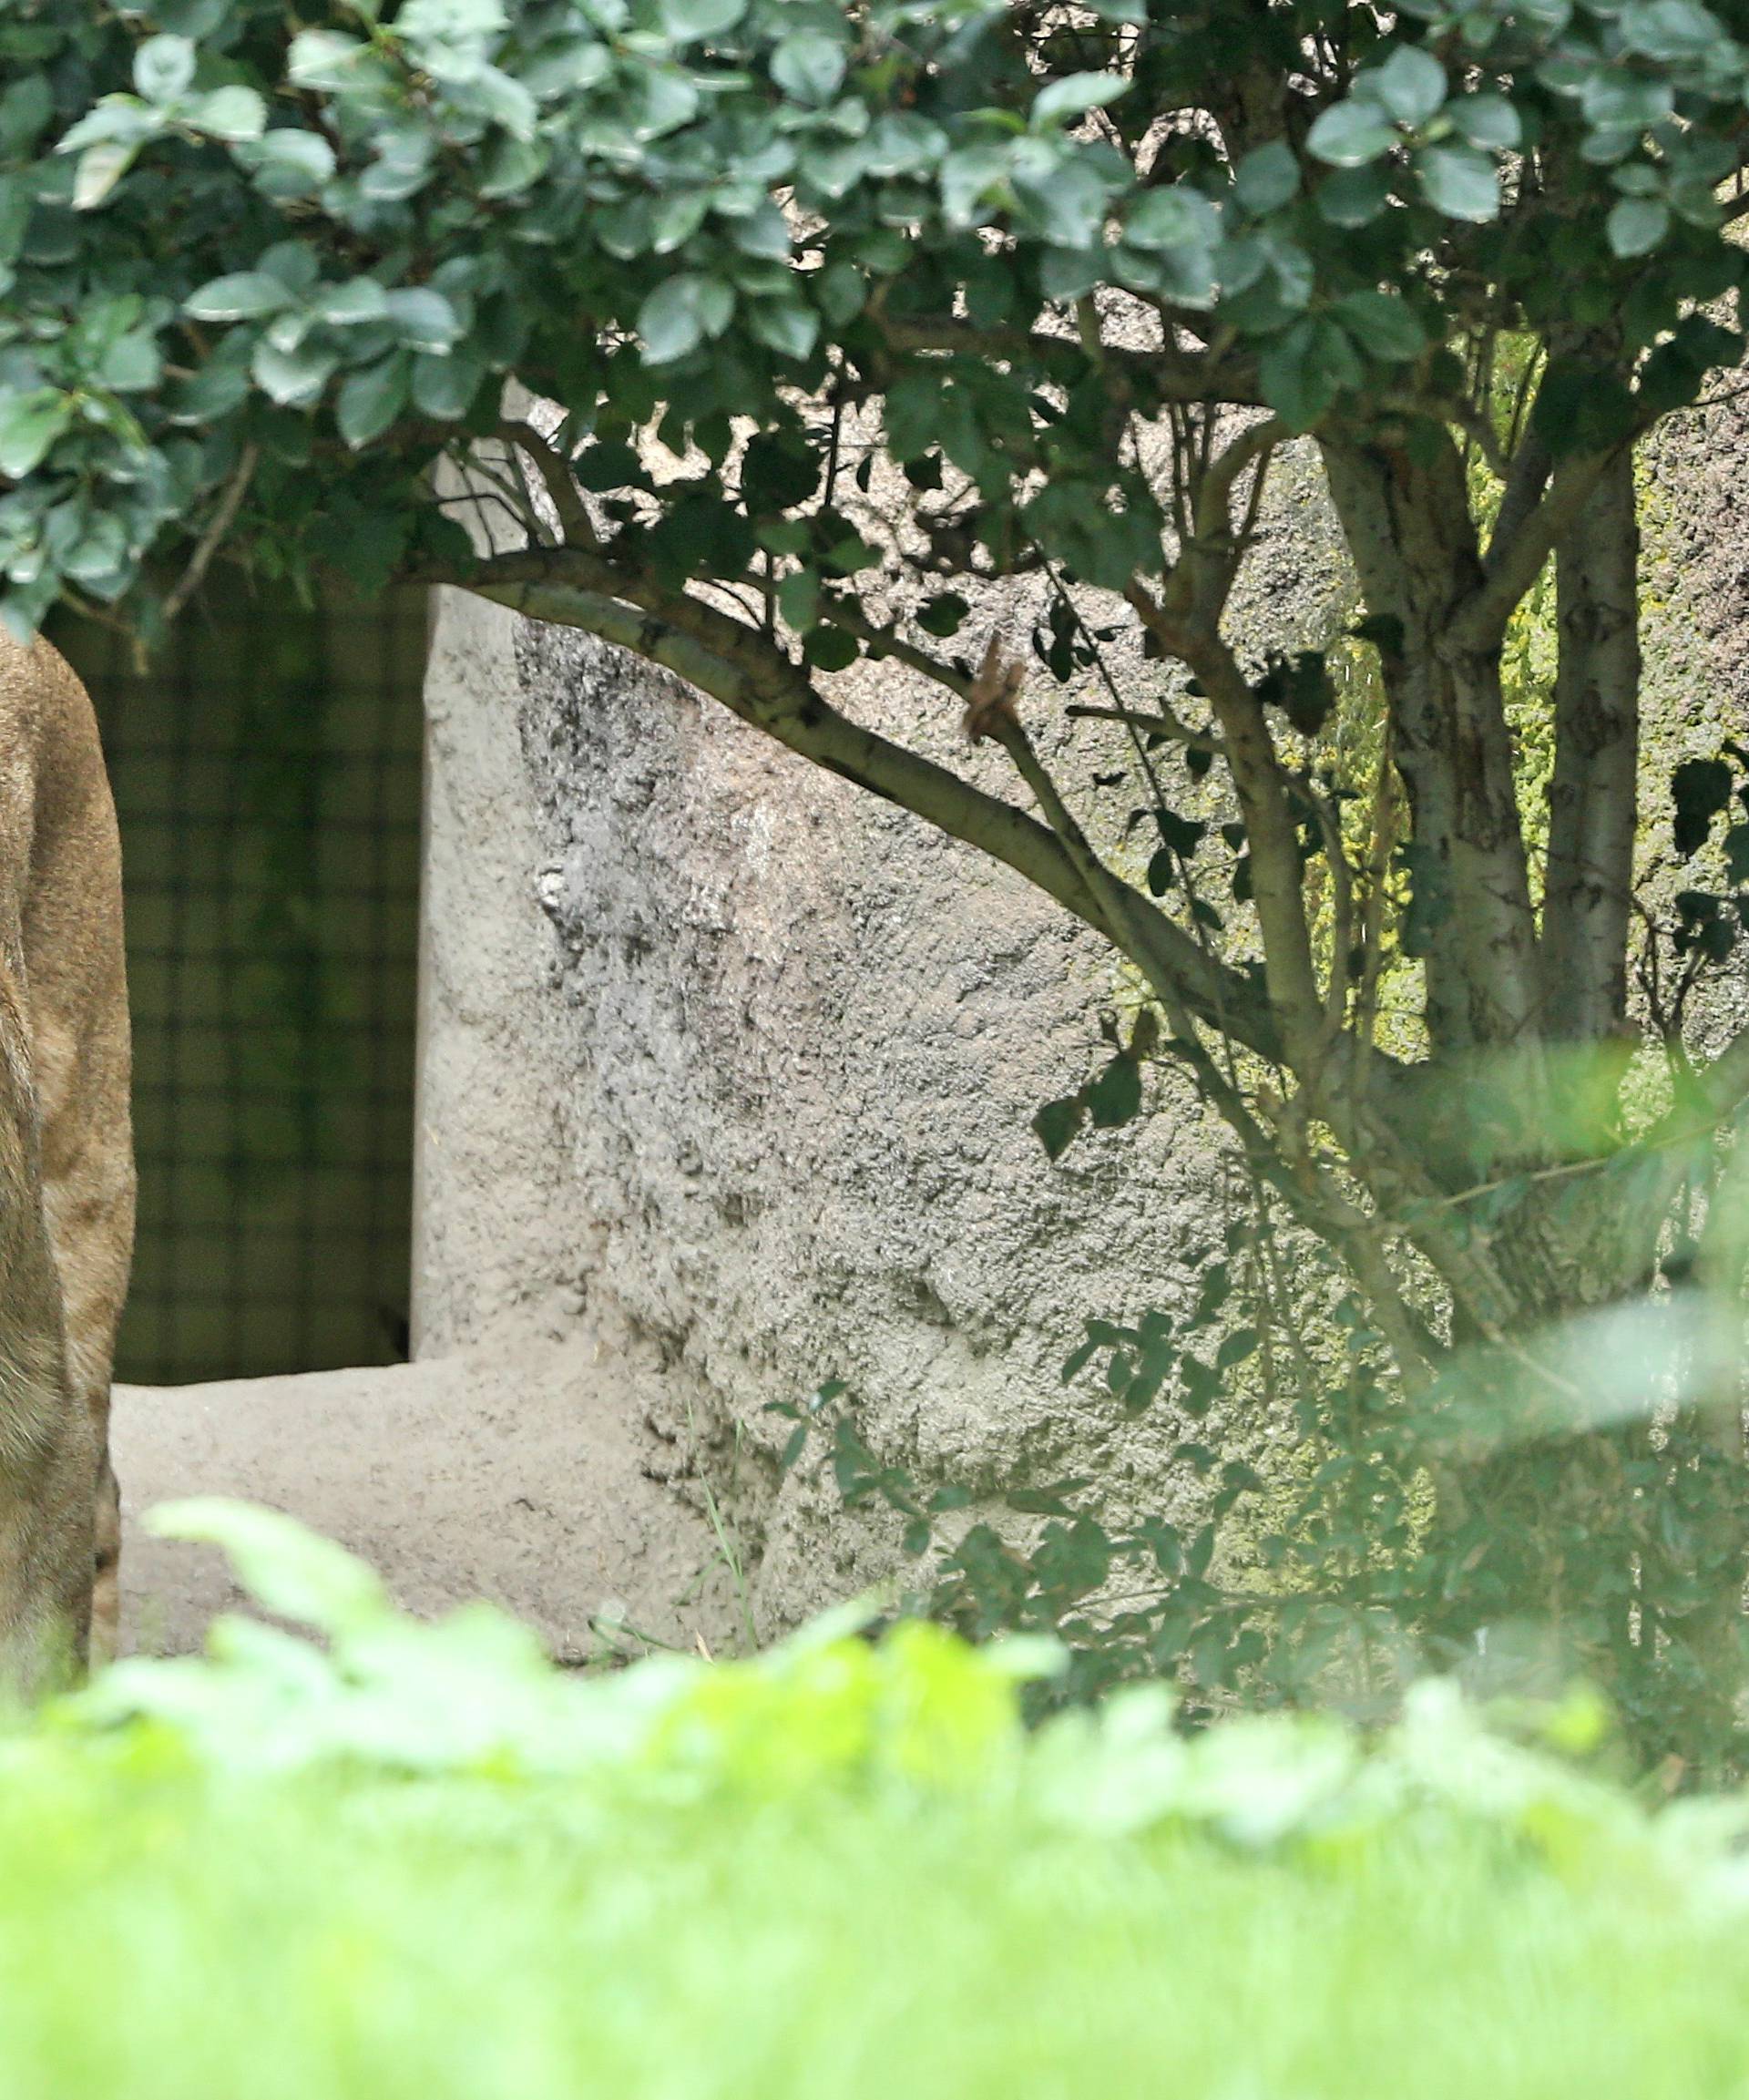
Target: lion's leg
<point>88,1194</point>
<point>90,1210</point>
<point>88,1197</point>
<point>106,1597</point>
<point>47,1552</point>
<point>72,935</point>
<point>48,1439</point>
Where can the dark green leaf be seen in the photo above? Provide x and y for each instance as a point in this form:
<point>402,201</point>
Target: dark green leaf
<point>29,425</point>
<point>1460,181</point>
<point>1384,324</point>
<point>1637,225</point>
<point>1582,406</point>
<point>1351,197</point>
<point>1410,85</point>
<point>444,388</point>
<point>1306,367</point>
<point>353,304</point>
<point>1267,177</point>
<point>831,649</point>
<point>691,20</point>
<point>1181,835</point>
<point>1350,135</point>
<point>423,318</point>
<point>680,314</point>
<point>1488,121</point>
<point>1067,206</point>
<point>290,164</point>
<point>798,599</point>
<point>783,325</point>
<point>944,614</point>
<point>808,65</point>
<point>243,296</point>
<point>1616,98</point>
<point>842,292</point>
<point>294,378</point>
<point>778,472</point>
<point>1062,101</point>
<point>1670,31</point>
<point>1179,217</point>
<point>26,108</point>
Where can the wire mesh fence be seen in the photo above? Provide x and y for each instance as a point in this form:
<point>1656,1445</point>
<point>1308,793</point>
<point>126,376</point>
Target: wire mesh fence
<point>267,775</point>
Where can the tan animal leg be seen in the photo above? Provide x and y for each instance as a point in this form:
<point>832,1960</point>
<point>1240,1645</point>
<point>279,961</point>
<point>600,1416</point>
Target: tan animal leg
<point>105,1593</point>
<point>60,873</point>
<point>47,1444</point>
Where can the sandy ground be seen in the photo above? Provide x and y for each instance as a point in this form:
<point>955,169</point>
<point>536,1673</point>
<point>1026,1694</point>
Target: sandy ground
<point>514,1477</point>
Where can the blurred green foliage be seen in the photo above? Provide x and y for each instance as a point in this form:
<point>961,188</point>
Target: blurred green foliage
<point>381,1858</point>
<point>1385,1536</point>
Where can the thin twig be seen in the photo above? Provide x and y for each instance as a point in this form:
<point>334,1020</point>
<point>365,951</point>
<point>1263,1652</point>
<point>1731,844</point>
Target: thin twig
<point>1164,723</point>
<point>212,538</point>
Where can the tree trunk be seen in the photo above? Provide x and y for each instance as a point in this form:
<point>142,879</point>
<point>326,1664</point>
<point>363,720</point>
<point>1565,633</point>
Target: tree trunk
<point>1592,798</point>
<point>1406,516</point>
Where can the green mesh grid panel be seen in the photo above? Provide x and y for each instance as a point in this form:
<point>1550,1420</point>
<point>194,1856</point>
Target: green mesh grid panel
<point>266,769</point>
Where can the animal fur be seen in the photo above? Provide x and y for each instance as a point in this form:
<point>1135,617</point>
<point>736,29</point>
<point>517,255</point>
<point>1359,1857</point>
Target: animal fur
<point>67,1172</point>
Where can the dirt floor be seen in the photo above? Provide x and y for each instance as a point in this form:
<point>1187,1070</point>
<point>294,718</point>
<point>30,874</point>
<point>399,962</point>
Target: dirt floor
<point>512,1477</point>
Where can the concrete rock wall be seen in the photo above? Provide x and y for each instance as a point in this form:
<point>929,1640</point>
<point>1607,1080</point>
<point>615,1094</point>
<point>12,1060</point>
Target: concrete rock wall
<point>725,1080</point>
<point>732,1067</point>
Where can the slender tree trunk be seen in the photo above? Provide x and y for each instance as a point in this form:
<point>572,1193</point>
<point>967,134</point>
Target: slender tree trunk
<point>1592,797</point>
<point>1406,516</point>
<point>1485,855</point>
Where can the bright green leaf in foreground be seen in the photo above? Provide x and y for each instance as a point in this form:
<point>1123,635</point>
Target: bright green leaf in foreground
<point>421,1860</point>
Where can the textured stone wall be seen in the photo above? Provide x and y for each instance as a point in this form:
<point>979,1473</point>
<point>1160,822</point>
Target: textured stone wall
<point>725,1079</point>
<point>732,1067</point>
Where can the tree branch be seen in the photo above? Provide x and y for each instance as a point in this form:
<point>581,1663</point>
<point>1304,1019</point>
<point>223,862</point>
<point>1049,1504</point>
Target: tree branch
<point>1262,790</point>
<point>1203,576</point>
<point>575,524</point>
<point>1168,373</point>
<point>1526,479</point>
<point>1513,565</point>
<point>223,517</point>
<point>750,674</point>
<point>1164,723</point>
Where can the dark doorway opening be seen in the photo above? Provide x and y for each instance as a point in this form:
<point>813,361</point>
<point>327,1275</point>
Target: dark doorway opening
<point>267,772</point>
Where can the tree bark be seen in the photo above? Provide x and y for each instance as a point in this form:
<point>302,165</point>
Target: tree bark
<point>1406,516</point>
<point>1592,797</point>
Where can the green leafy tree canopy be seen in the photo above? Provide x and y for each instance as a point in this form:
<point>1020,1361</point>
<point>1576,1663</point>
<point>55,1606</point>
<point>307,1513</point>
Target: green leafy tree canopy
<point>766,335</point>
